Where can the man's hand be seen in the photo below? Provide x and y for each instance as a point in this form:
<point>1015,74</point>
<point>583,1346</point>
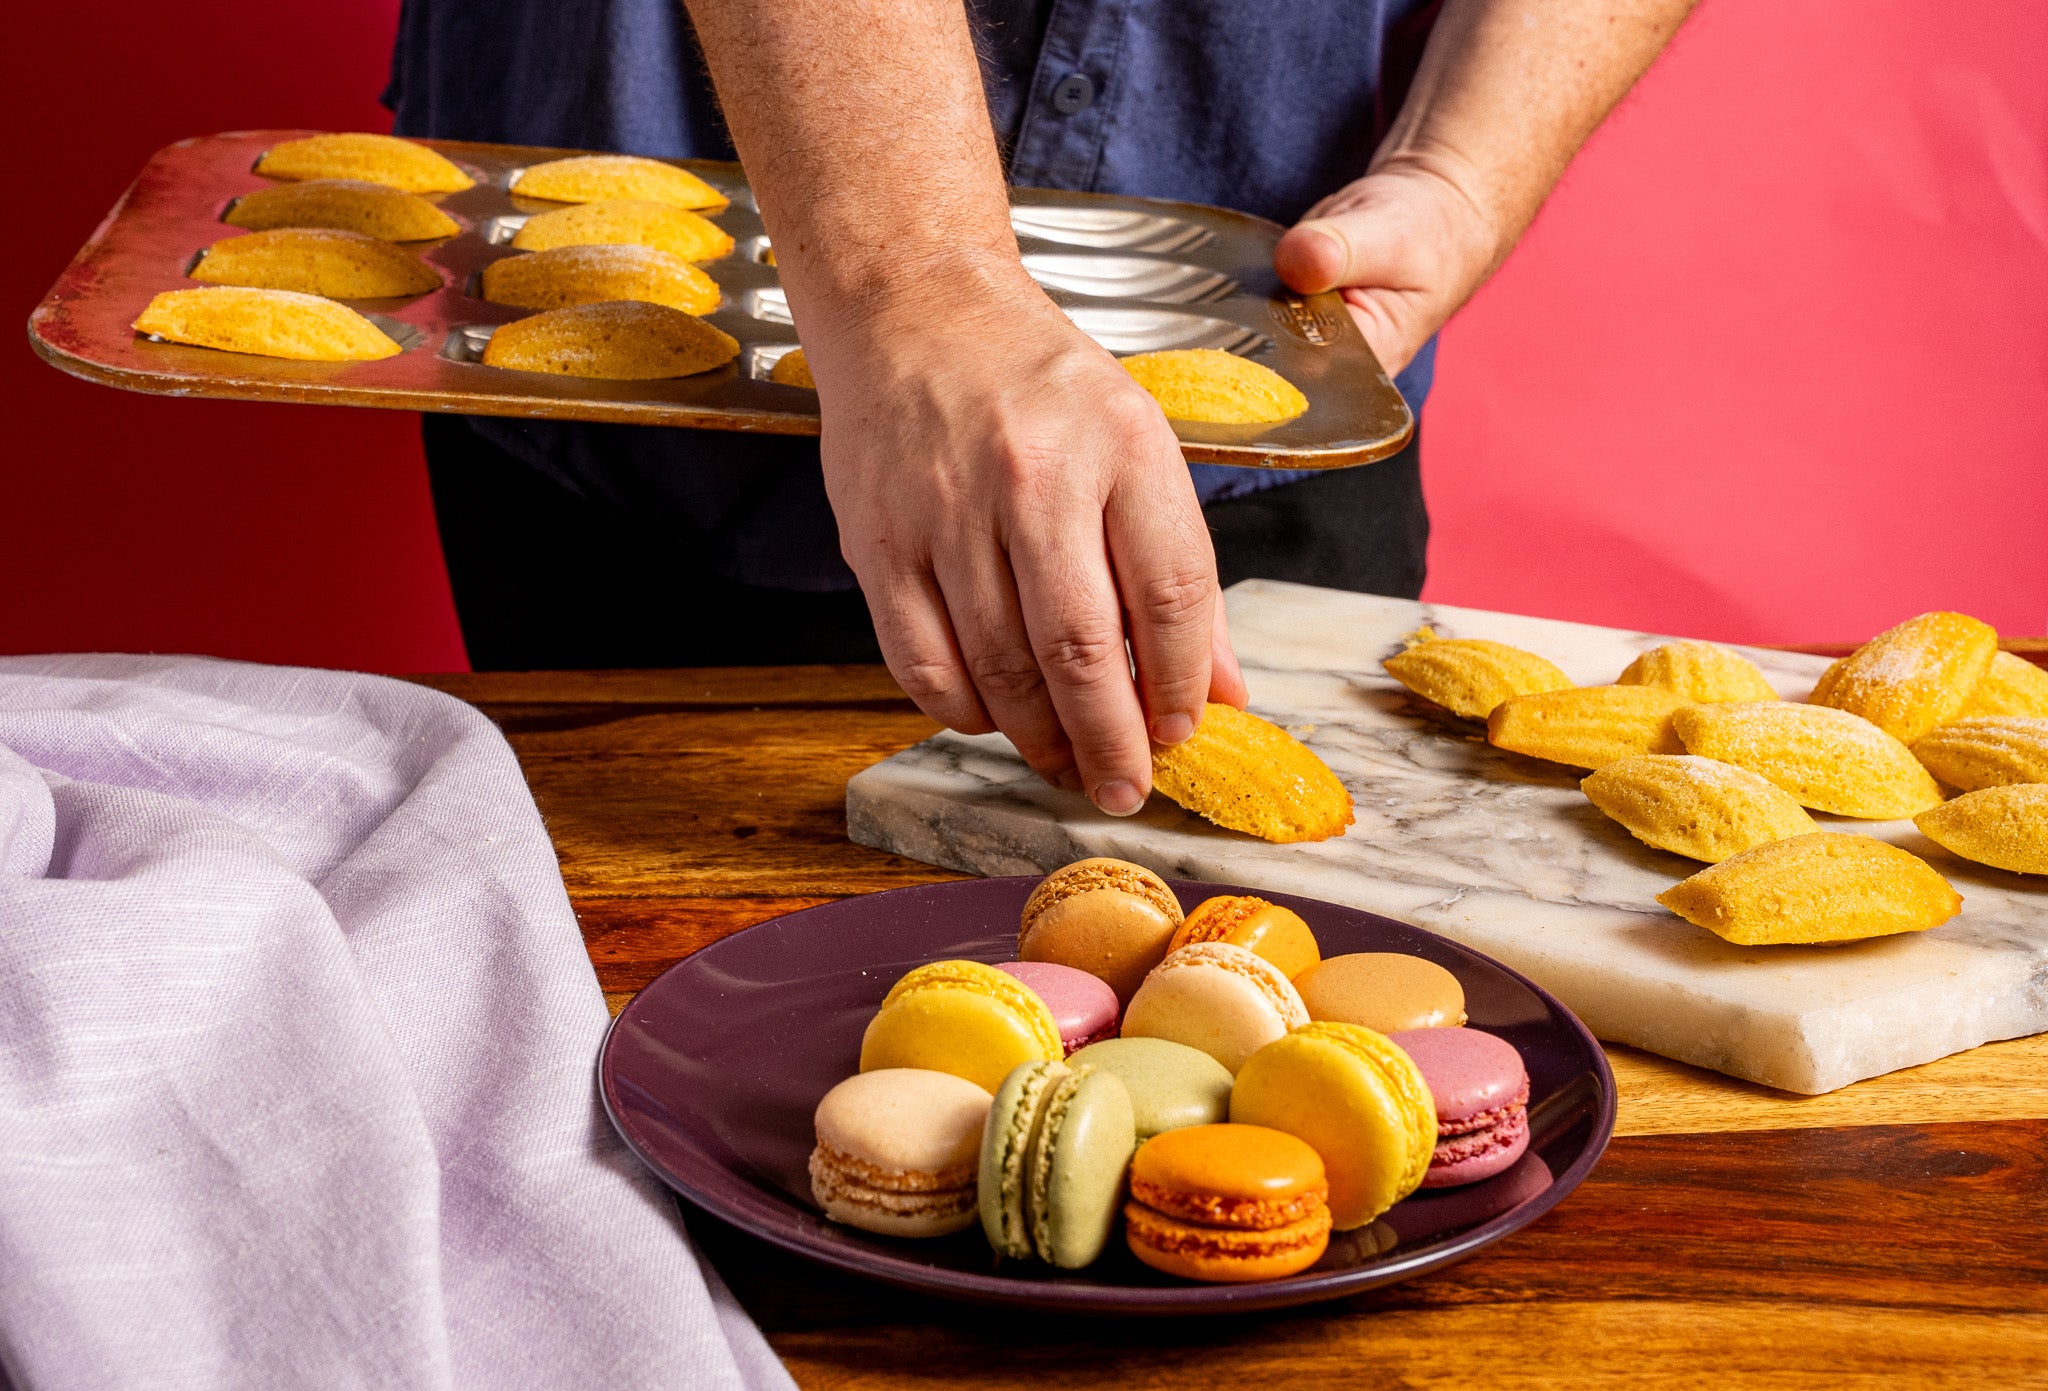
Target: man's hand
<point>1405,246</point>
<point>1506,94</point>
<point>1015,505</point>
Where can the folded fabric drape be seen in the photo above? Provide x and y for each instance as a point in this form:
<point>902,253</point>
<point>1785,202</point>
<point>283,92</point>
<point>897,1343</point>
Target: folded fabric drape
<point>297,1038</point>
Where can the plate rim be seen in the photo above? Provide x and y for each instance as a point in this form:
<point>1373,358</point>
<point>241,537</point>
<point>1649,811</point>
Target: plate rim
<point>1139,1300</point>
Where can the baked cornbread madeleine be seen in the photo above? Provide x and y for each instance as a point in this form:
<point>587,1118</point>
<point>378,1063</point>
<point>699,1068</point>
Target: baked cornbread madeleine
<point>1248,774</point>
<point>963,1017</point>
<point>1986,751</point>
<point>1211,387</point>
<point>1218,998</point>
<point>620,340</point>
<point>1693,806</point>
<point>1828,759</point>
<point>1227,1203</point>
<point>1358,1100</point>
<point>266,323</point>
<point>1703,672</point>
<point>626,222</point>
<point>1263,928</point>
<point>793,369</point>
<point>1470,676</point>
<point>1587,726</point>
<point>567,275</point>
<point>598,178</point>
<point>2004,827</point>
<point>1909,679</point>
<point>2011,685</point>
<point>316,261</point>
<point>1110,918</point>
<point>898,1152</point>
<point>405,165</point>
<point>1830,886</point>
<point>348,205</point>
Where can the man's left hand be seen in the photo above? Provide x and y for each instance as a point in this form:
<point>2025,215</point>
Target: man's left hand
<point>1406,246</point>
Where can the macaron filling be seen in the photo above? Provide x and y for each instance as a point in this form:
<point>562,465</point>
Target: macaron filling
<point>1155,1230</point>
<point>837,1180</point>
<point>1218,1210</point>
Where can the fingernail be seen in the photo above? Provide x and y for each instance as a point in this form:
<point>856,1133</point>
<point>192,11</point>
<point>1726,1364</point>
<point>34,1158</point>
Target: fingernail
<point>1118,798</point>
<point>1171,729</point>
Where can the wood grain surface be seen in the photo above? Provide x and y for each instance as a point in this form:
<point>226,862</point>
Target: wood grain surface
<point>1894,1232</point>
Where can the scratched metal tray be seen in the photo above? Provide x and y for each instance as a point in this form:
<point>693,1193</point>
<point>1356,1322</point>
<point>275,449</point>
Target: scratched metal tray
<point>1135,274</point>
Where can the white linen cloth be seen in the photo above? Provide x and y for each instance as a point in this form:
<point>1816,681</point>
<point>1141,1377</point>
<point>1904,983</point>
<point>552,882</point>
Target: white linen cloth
<point>297,1038</point>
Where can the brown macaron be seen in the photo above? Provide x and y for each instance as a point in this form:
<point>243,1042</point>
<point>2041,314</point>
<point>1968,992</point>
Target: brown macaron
<point>1110,918</point>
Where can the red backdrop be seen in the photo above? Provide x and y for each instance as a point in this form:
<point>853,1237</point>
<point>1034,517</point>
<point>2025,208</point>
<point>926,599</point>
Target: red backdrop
<point>1772,366</point>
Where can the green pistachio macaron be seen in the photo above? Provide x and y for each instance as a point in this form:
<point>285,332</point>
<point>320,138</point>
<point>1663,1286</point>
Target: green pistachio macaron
<point>1053,1157</point>
<point>1171,1084</point>
<point>1006,1143</point>
<point>1077,1168</point>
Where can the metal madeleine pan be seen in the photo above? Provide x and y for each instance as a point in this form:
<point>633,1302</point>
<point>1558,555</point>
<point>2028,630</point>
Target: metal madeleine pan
<point>1135,274</point>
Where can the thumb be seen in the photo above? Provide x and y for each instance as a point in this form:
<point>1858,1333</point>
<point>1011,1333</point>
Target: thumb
<point>1328,253</point>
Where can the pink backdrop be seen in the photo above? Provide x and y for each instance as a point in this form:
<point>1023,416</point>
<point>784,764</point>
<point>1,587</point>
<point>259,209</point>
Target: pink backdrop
<point>1773,365</point>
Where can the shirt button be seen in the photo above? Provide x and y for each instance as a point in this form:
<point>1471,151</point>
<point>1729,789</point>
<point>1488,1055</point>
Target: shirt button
<point>1072,93</point>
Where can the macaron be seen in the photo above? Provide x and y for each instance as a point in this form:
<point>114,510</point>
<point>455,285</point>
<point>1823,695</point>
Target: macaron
<point>1171,1085</point>
<point>1052,1163</point>
<point>1354,1096</point>
<point>1110,918</point>
<point>1481,1094</point>
<point>1265,929</point>
<point>1227,1203</point>
<point>1219,998</point>
<point>1083,1006</point>
<point>898,1152</point>
<point>1384,991</point>
<point>962,1017</point>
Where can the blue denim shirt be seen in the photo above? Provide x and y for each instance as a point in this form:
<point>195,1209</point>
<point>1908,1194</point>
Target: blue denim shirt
<point>1260,105</point>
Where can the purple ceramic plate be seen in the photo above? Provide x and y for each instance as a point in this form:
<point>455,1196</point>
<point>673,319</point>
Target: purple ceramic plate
<point>712,1072</point>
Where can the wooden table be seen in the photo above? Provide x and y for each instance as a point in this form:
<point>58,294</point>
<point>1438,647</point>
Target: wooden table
<point>1895,1230</point>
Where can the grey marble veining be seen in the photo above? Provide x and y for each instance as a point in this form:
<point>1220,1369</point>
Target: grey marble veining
<point>1505,854</point>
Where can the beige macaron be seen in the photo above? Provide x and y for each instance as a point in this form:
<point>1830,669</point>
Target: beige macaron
<point>1387,992</point>
<point>1219,998</point>
<point>899,1152</point>
<point>1110,918</point>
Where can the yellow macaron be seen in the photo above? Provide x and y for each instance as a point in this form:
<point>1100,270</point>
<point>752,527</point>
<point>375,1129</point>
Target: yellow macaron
<point>962,1017</point>
<point>1355,1097</point>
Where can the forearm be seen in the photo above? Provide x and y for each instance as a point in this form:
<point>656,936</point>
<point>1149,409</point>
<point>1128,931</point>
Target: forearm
<point>866,138</point>
<point>1509,89</point>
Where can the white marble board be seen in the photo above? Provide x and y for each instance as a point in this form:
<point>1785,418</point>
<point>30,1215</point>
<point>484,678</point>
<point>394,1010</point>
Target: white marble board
<point>1504,853</point>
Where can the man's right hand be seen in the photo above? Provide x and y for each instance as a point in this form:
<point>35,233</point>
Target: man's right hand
<point>1015,506</point>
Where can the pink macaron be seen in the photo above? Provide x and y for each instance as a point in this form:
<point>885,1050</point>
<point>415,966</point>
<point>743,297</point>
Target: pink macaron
<point>1082,1005</point>
<point>1481,1092</point>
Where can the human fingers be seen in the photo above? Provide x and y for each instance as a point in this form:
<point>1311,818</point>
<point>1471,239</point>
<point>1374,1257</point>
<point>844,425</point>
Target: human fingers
<point>996,648</point>
<point>1166,577</point>
<point>1071,611</point>
<point>1226,681</point>
<point>918,643</point>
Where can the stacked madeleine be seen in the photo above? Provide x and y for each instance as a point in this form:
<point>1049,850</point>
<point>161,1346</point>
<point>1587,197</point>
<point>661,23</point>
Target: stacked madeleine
<point>332,228</point>
<point>1693,752</point>
<point>612,265</point>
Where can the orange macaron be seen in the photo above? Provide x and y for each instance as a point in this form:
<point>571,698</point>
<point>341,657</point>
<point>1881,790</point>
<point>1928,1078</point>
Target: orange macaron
<point>1262,928</point>
<point>1227,1203</point>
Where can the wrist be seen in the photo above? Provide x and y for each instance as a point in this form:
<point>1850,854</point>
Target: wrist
<point>918,294</point>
